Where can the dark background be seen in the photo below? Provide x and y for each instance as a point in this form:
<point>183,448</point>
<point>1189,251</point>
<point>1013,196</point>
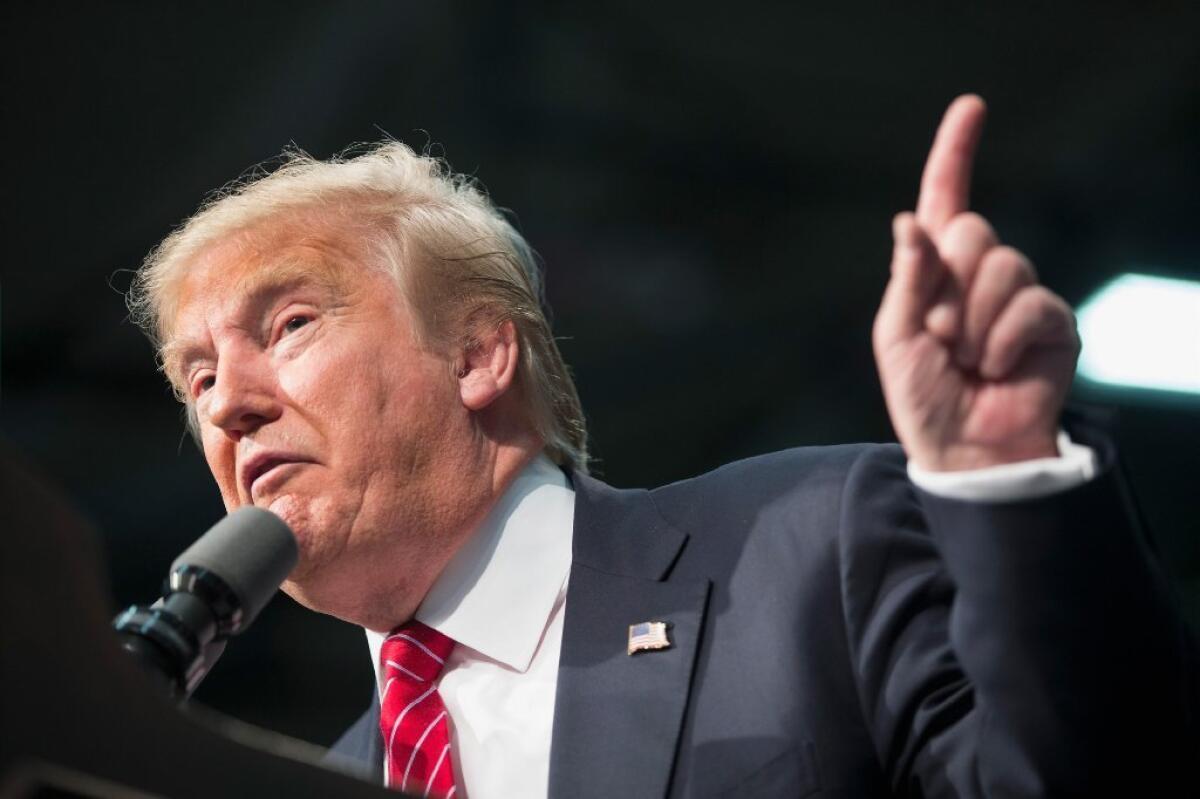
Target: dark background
<point>710,185</point>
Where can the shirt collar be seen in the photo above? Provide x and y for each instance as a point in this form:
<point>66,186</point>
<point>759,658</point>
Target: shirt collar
<point>497,593</point>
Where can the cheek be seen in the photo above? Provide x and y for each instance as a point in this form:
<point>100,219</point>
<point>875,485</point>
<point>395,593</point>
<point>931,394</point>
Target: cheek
<point>335,373</point>
<point>369,392</point>
<point>222,464</point>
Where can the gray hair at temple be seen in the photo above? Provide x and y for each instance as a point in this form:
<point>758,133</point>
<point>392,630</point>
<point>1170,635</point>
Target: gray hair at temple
<point>457,260</point>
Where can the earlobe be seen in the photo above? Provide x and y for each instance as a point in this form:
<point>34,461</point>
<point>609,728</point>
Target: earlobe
<point>489,367</point>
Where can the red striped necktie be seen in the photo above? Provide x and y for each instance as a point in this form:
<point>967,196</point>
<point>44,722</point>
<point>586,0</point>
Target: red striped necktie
<point>413,720</point>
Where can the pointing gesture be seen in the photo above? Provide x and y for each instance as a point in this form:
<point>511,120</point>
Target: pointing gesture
<point>946,181</point>
<point>974,356</point>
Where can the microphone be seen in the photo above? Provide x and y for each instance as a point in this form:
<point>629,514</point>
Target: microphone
<point>214,590</point>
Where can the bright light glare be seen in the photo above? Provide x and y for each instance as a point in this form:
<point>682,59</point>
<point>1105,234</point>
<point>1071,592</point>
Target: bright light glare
<point>1144,332</point>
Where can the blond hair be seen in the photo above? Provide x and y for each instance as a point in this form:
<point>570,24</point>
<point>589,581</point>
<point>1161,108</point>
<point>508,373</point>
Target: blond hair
<point>458,261</point>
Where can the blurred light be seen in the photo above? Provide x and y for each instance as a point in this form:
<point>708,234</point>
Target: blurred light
<point>1143,332</point>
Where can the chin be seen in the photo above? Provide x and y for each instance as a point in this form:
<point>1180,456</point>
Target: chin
<point>301,593</point>
<point>305,583</point>
<point>296,514</point>
<point>321,535</point>
<point>300,520</point>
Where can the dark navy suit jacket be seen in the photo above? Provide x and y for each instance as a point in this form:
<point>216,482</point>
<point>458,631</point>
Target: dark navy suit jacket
<point>836,632</point>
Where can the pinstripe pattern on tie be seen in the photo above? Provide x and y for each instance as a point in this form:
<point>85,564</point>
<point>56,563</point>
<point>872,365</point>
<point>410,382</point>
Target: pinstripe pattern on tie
<point>413,720</point>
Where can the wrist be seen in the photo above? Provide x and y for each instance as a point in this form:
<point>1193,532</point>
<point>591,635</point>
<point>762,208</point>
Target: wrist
<point>969,457</point>
<point>1075,464</point>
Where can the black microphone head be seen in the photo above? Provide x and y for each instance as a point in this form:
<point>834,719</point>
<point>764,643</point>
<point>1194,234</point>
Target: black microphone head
<point>249,553</point>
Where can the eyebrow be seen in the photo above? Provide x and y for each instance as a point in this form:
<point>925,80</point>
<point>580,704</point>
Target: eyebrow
<point>257,291</point>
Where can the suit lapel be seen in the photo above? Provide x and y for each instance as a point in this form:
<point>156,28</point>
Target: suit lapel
<point>360,749</point>
<point>373,750</point>
<point>617,717</point>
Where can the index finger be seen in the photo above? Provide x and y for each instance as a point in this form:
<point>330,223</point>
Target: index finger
<point>946,181</point>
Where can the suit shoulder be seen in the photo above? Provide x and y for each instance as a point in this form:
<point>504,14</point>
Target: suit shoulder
<point>802,480</point>
<point>799,466</point>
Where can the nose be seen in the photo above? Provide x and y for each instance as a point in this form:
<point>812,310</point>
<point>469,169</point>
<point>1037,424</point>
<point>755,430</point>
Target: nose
<point>244,396</point>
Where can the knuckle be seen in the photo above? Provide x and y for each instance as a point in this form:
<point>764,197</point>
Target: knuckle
<point>1010,265</point>
<point>969,224</point>
<point>1037,298</point>
<point>1049,312</point>
<point>1050,302</point>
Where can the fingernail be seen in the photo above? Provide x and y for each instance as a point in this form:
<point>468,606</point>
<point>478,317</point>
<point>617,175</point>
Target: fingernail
<point>941,320</point>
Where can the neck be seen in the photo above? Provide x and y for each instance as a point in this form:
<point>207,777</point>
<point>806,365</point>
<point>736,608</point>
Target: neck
<point>506,464</point>
<point>380,596</point>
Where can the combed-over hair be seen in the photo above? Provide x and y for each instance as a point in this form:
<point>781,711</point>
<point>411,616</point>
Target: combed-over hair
<point>459,263</point>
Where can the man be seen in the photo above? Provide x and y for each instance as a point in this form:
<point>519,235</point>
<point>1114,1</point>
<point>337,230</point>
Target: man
<point>361,350</point>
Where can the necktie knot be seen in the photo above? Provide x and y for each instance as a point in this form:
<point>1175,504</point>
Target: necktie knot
<point>415,652</point>
<point>413,720</point>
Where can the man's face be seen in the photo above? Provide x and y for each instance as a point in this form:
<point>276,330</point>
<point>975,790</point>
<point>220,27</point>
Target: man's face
<point>315,401</point>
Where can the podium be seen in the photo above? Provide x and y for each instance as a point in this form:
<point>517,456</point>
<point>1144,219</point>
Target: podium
<point>78,718</point>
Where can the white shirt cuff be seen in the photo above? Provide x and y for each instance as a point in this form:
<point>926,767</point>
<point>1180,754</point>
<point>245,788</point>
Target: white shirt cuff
<point>1008,482</point>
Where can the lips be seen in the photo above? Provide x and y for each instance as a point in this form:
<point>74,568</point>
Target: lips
<point>261,464</point>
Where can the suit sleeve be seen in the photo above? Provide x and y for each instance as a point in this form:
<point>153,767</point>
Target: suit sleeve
<point>1028,648</point>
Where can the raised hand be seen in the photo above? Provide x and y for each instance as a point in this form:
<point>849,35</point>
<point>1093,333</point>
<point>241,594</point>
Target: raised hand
<point>975,357</point>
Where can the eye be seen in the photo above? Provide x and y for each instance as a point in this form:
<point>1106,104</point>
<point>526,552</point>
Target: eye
<point>202,384</point>
<point>295,323</point>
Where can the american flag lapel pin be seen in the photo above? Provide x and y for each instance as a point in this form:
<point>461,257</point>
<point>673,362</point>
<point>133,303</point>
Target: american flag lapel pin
<point>648,636</point>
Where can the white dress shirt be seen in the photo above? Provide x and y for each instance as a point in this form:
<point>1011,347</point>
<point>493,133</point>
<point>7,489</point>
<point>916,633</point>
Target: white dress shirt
<point>1008,482</point>
<point>502,598</point>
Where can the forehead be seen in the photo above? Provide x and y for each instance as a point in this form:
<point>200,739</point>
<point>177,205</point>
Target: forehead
<point>237,275</point>
<point>307,247</point>
<point>236,272</point>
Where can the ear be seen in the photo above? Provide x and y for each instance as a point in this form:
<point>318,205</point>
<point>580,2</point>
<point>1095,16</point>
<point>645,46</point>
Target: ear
<point>489,367</point>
